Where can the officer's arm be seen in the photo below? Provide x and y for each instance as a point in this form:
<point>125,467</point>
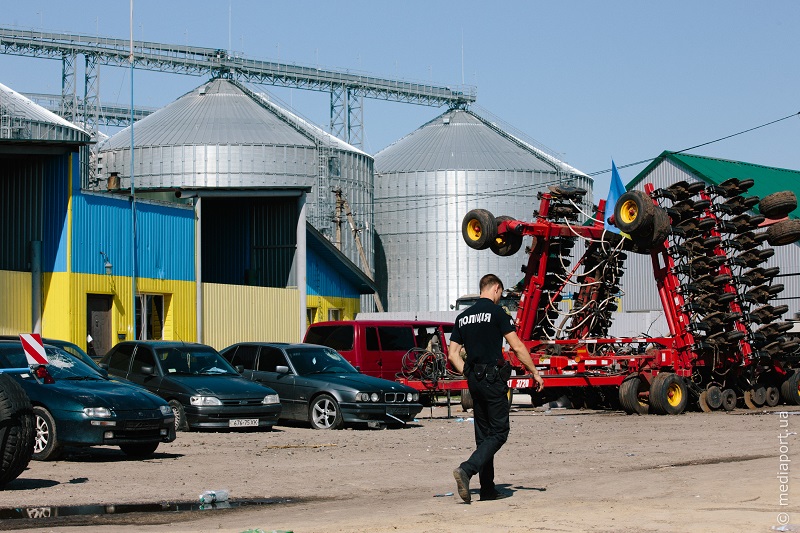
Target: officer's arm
<point>524,356</point>
<point>454,355</point>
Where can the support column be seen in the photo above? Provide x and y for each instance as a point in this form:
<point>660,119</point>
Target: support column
<point>69,96</point>
<point>36,286</point>
<point>198,266</point>
<point>355,119</point>
<point>301,261</point>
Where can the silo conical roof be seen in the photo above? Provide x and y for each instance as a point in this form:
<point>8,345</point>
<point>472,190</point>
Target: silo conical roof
<point>460,139</point>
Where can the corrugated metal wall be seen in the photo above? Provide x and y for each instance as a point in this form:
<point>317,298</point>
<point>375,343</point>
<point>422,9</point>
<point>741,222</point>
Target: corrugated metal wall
<point>164,237</point>
<point>418,219</point>
<point>323,280</point>
<point>235,313</point>
<point>641,293</point>
<point>15,310</point>
<point>249,241</point>
<point>320,306</point>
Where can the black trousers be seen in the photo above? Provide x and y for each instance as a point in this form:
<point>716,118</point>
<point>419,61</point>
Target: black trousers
<point>490,409</point>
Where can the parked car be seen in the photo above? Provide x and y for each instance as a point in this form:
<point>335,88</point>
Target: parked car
<point>202,388</point>
<point>75,405</point>
<point>70,348</point>
<point>377,347</point>
<point>316,384</point>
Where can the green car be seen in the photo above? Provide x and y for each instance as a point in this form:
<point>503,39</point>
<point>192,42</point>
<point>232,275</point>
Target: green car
<point>75,405</point>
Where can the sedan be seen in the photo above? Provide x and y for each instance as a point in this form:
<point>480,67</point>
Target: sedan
<point>317,385</point>
<point>202,388</point>
<point>77,406</point>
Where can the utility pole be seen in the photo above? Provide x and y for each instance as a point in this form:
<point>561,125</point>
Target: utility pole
<point>341,201</point>
<point>337,218</point>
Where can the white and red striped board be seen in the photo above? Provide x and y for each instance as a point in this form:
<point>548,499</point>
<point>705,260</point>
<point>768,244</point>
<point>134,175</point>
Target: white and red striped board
<point>34,349</point>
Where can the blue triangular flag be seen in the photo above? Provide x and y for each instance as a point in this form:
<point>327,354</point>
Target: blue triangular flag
<point>616,190</point>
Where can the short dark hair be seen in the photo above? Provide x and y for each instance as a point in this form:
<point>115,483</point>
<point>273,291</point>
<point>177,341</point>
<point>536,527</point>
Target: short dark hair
<point>489,280</point>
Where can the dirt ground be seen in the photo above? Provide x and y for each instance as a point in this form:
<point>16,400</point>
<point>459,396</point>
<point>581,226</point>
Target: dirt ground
<point>566,470</point>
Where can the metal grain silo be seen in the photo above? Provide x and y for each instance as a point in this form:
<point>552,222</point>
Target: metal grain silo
<point>222,135</point>
<point>424,185</point>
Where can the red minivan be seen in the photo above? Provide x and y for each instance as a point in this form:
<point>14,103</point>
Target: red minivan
<point>377,347</point>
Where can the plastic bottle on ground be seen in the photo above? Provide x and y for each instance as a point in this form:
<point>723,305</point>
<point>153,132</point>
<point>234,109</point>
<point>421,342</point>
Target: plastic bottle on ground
<point>213,496</point>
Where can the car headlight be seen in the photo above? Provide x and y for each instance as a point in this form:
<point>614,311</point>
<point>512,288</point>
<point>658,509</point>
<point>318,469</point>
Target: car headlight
<point>416,396</point>
<point>409,397</point>
<point>374,397</point>
<point>270,399</point>
<point>204,400</point>
<point>98,412</point>
<point>166,410</point>
<point>367,397</point>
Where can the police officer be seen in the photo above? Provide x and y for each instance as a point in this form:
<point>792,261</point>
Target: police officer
<point>480,329</point>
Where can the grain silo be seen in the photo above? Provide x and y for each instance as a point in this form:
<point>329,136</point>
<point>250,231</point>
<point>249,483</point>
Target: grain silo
<point>424,185</point>
<point>223,136</point>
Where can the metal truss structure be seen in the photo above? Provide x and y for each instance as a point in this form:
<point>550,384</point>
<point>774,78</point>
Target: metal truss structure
<point>347,89</point>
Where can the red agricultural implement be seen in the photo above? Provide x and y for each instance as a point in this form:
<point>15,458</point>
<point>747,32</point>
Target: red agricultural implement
<point>726,344</point>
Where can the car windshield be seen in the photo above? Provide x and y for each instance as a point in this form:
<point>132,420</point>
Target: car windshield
<point>308,361</point>
<point>62,365</point>
<point>192,360</point>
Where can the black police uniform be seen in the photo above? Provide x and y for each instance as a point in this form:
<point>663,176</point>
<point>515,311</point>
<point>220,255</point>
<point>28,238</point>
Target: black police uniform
<point>480,329</point>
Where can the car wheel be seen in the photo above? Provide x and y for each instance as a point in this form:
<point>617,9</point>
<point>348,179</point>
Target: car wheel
<point>144,449</point>
<point>17,431</point>
<point>180,416</point>
<point>324,413</point>
<point>46,446</point>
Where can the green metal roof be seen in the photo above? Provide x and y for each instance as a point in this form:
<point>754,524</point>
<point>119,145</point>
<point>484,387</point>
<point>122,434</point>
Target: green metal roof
<point>714,171</point>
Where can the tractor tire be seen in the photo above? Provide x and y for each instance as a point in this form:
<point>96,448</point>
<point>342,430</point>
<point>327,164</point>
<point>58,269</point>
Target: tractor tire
<point>633,213</point>
<point>17,430</point>
<point>728,399</point>
<point>778,204</point>
<point>668,394</point>
<point>479,229</point>
<point>790,389</point>
<point>784,232</point>
<point>507,243</point>
<point>629,391</point>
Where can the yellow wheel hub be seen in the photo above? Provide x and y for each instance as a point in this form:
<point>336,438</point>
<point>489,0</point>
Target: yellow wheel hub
<point>474,229</point>
<point>674,394</point>
<point>629,211</point>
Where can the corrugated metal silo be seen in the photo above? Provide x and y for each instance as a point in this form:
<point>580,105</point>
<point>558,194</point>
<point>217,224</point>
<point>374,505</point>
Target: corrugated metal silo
<point>424,185</point>
<point>224,136</point>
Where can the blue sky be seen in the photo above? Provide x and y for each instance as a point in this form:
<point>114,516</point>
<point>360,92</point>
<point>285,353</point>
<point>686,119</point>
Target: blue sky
<point>591,80</point>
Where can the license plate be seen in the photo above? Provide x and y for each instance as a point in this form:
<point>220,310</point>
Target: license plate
<point>397,410</point>
<point>243,423</point>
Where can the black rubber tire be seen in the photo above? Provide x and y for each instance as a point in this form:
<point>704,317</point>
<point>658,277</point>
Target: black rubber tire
<point>466,400</point>
<point>46,446</point>
<point>629,391</point>
<point>668,394</point>
<point>783,232</point>
<point>324,413</point>
<point>773,397</point>
<point>637,219</point>
<point>17,431</point>
<point>181,424</point>
<point>507,243</point>
<point>144,449</point>
<point>778,204</point>
<point>479,229</point>
<point>790,389</point>
<point>728,399</point>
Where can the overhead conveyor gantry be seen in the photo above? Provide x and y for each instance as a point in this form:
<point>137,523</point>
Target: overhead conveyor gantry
<point>346,88</point>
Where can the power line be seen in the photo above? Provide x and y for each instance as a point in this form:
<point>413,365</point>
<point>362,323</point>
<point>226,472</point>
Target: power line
<point>599,172</point>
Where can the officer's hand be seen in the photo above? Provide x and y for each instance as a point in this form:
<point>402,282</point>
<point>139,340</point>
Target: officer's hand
<point>539,382</point>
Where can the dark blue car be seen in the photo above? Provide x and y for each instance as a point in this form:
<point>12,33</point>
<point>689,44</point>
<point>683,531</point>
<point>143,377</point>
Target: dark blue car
<point>75,405</point>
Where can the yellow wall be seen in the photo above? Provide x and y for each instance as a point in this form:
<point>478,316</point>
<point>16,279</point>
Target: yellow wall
<point>15,303</point>
<point>237,313</point>
<point>322,304</point>
<point>64,308</point>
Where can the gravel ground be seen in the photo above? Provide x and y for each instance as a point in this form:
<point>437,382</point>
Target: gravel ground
<point>565,470</point>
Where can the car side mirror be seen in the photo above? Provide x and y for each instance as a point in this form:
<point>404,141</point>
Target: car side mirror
<point>104,372</point>
<point>147,371</point>
<point>358,369</point>
<point>239,368</point>
<point>282,369</point>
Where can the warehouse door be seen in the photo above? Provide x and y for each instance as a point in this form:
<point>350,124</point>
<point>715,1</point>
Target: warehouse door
<point>98,322</point>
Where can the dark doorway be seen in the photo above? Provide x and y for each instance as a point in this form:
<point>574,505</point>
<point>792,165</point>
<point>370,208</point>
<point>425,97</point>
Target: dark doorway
<point>98,323</point>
